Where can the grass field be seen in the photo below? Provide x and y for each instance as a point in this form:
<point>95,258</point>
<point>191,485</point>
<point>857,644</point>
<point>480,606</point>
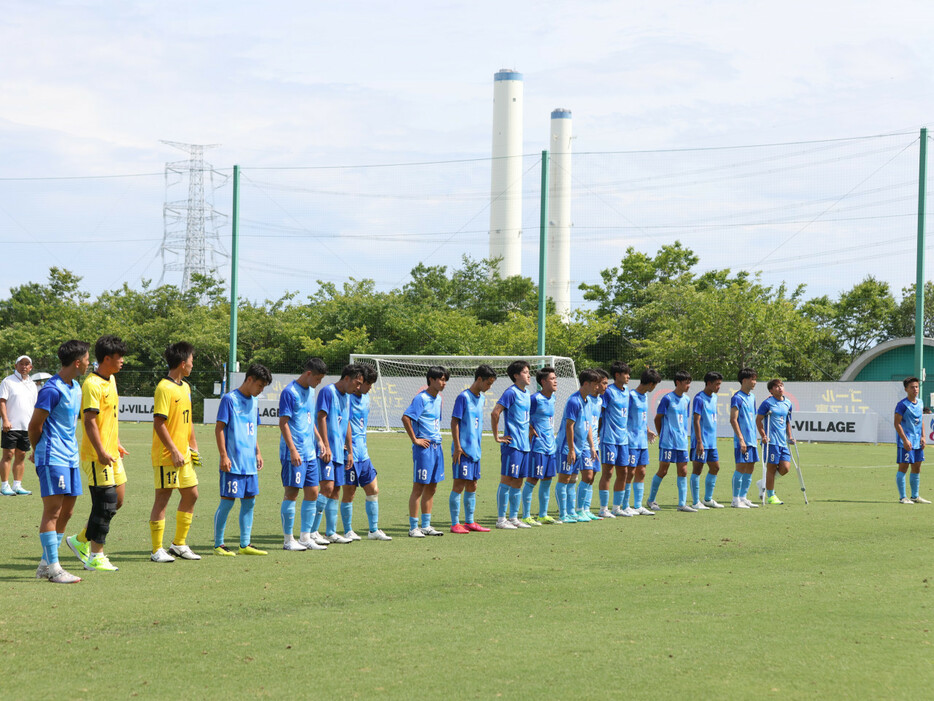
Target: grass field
<point>831,600</point>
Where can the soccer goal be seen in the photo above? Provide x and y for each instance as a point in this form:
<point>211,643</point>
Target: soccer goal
<point>401,377</point>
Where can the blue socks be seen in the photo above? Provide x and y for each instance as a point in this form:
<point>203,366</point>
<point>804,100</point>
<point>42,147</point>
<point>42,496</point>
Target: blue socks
<point>330,516</point>
<point>561,492</point>
<point>747,482</point>
<point>710,481</point>
<point>656,483</point>
<point>347,515</point>
<point>220,520</point>
<point>605,498</point>
<point>544,496</point>
<point>638,490</point>
<point>454,505</point>
<point>624,502</point>
<point>914,479</point>
<point>246,520</point>
<point>321,505</point>
<point>426,520</point>
<point>371,505</point>
<point>413,523</point>
<point>287,515</point>
<point>309,512</point>
<point>49,540</point>
<point>737,484</point>
<point>527,490</point>
<point>502,500</point>
<point>682,490</point>
<point>571,497</point>
<point>900,483</point>
<point>515,497</point>
<point>617,498</point>
<point>470,506</point>
<point>695,488</point>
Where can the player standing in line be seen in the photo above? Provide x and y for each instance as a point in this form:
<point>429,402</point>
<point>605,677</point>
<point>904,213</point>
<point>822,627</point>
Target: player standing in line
<point>585,491</point>
<point>745,439</point>
<point>575,444</point>
<point>422,422</point>
<point>298,455</point>
<point>909,427</point>
<point>174,454</point>
<point>336,455</point>
<point>361,473</point>
<point>640,435</point>
<point>101,454</point>
<point>704,442</point>
<point>466,439</point>
<point>514,444</point>
<point>776,435</point>
<point>672,426</point>
<point>543,461</point>
<point>240,458</point>
<point>614,442</point>
<point>52,433</point>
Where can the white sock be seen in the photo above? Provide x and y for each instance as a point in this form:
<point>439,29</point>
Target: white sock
<point>5,484</point>
<point>17,484</point>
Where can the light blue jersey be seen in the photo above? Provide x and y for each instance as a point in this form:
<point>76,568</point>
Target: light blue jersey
<point>912,422</point>
<point>58,444</point>
<point>516,403</point>
<point>240,416</point>
<point>575,410</point>
<point>705,406</point>
<point>745,405</point>
<point>637,423</point>
<point>777,414</point>
<point>594,411</point>
<point>468,410</point>
<point>541,416</point>
<point>336,405</point>
<point>675,412</point>
<point>425,412</point>
<point>298,404</point>
<point>615,428</point>
<point>359,420</point>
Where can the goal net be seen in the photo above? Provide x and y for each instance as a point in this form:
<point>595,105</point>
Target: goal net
<point>401,377</point>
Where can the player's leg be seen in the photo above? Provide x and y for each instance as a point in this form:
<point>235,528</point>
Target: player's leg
<point>697,467</point>
<point>607,466</point>
<point>914,479</point>
<point>503,491</point>
<point>157,525</point>
<point>230,490</point>
<point>683,484</point>
<point>638,483</point>
<point>710,483</point>
<point>371,505</point>
<point>528,491</point>
<point>308,534</point>
<point>414,498</point>
<point>59,492</point>
<point>657,480</point>
<point>454,502</point>
<point>347,494</point>
<point>104,504</point>
<point>583,504</point>
<point>19,470</point>
<point>770,469</point>
<point>247,505</point>
<point>287,513</point>
<point>570,495</point>
<point>427,503</point>
<point>188,497</point>
<point>561,488</point>
<point>620,495</point>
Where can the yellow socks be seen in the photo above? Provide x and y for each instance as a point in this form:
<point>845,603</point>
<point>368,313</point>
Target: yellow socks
<point>182,525</point>
<point>157,530</point>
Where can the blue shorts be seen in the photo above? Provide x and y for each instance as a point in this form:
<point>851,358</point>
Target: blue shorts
<point>467,469</point>
<point>65,481</point>
<point>333,472</point>
<point>239,486</point>
<point>775,454</point>
<point>298,476</point>
<point>514,463</point>
<point>428,464</point>
<point>751,454</point>
<point>542,467</point>
<point>709,455</point>
<point>617,455</point>
<point>638,457</point>
<point>902,456</point>
<point>361,474</point>
<point>672,455</point>
<point>581,462</point>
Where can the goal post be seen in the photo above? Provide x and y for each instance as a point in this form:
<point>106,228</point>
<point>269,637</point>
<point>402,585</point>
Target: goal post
<point>401,377</point>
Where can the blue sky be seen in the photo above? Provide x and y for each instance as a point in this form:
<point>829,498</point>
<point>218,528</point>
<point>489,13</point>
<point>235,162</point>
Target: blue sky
<point>90,88</point>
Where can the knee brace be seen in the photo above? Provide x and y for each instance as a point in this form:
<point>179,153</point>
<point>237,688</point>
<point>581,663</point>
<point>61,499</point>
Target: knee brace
<point>103,508</point>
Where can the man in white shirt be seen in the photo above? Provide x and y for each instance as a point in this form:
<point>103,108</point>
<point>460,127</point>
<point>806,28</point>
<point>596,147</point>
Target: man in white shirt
<point>17,400</point>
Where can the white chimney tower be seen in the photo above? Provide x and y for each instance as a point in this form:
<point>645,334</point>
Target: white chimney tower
<point>506,180</point>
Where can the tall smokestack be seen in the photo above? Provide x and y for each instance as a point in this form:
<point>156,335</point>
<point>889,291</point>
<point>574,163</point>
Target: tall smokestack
<point>506,180</point>
<point>558,275</point>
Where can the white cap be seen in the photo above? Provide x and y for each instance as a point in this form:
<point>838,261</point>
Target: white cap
<point>21,357</point>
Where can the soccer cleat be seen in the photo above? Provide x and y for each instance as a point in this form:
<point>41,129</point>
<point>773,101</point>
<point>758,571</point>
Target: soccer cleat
<point>627,512</point>
<point>337,538</point>
<point>760,483</point>
<point>293,545</point>
<point>161,556</point>
<point>606,513</point>
<point>699,506</point>
<point>920,500</point>
<point>42,571</point>
<point>431,531</point>
<point>459,528</point>
<point>738,503</point>
<point>378,535</point>
<point>774,500</point>
<point>518,524</point>
<point>505,525</point>
<point>617,511</point>
<point>687,509</point>
<point>531,521</point>
<point>476,527</point>
<point>225,551</point>
<point>750,504</point>
<point>568,518</point>
<point>416,533</point>
<point>318,538</point>
<point>642,511</point>
<point>546,520</point>
<point>7,491</point>
<point>250,550</point>
<point>311,544</point>
<point>57,575</point>
<point>712,504</point>
<point>79,549</point>
<point>100,562</point>
<point>905,500</point>
<point>183,551</point>
<point>352,536</point>
<point>21,491</point>
<point>653,505</point>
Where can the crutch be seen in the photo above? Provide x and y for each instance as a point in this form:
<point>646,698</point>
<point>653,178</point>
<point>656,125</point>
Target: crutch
<point>796,459</point>
<point>762,459</point>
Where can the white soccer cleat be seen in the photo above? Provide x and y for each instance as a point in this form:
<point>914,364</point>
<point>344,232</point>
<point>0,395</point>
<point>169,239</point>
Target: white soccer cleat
<point>338,538</point>
<point>906,500</point>
<point>183,551</point>
<point>293,545</point>
<point>59,576</point>
<point>712,504</point>
<point>352,535</point>
<point>749,504</point>
<point>318,538</point>
<point>161,556</point>
<point>687,509</point>
<point>378,535</point>
<point>416,533</point>
<point>627,512</point>
<point>42,571</point>
<point>606,513</point>
<point>431,531</point>
<point>617,511</point>
<point>738,503</point>
<point>642,511</point>
<point>311,544</point>
<point>920,500</point>
<point>699,506</point>
<point>760,484</point>
<point>505,525</point>
<point>516,523</point>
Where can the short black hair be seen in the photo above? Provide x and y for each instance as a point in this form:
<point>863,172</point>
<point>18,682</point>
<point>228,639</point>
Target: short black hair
<point>70,351</point>
<point>682,376</point>
<point>109,345</point>
<point>370,375</point>
<point>650,376</point>
<point>178,353</point>
<point>436,372</point>
<point>315,366</point>
<point>352,370</point>
<point>774,381</point>
<point>515,368</point>
<point>907,381</point>
<point>543,374</point>
<point>588,375</point>
<point>712,377</point>
<point>746,374</point>
<point>602,373</point>
<point>620,368</point>
<point>484,372</point>
<point>260,372</point>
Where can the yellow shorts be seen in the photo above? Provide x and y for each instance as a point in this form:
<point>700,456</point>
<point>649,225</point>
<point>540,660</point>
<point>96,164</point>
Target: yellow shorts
<point>112,475</point>
<point>171,477</point>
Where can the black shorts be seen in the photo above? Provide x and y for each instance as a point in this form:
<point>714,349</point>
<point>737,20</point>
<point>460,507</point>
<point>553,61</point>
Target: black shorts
<point>15,439</point>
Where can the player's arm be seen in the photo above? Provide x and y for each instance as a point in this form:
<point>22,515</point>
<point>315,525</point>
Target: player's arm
<point>35,430</point>
<point>734,423</point>
<point>658,423</point>
<point>3,415</point>
<point>760,427</point>
<point>456,440</point>
<point>791,438</point>
<point>192,441</point>
<point>287,436</point>
<point>906,444</point>
<point>222,445</point>
<point>697,433</point>
<point>348,448</point>
<point>569,437</point>
<point>93,433</point>
<point>593,450</point>
<point>494,422</point>
<point>407,424</point>
<point>322,429</point>
<point>158,425</point>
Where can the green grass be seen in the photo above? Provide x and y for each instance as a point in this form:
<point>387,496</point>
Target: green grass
<point>831,600</point>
